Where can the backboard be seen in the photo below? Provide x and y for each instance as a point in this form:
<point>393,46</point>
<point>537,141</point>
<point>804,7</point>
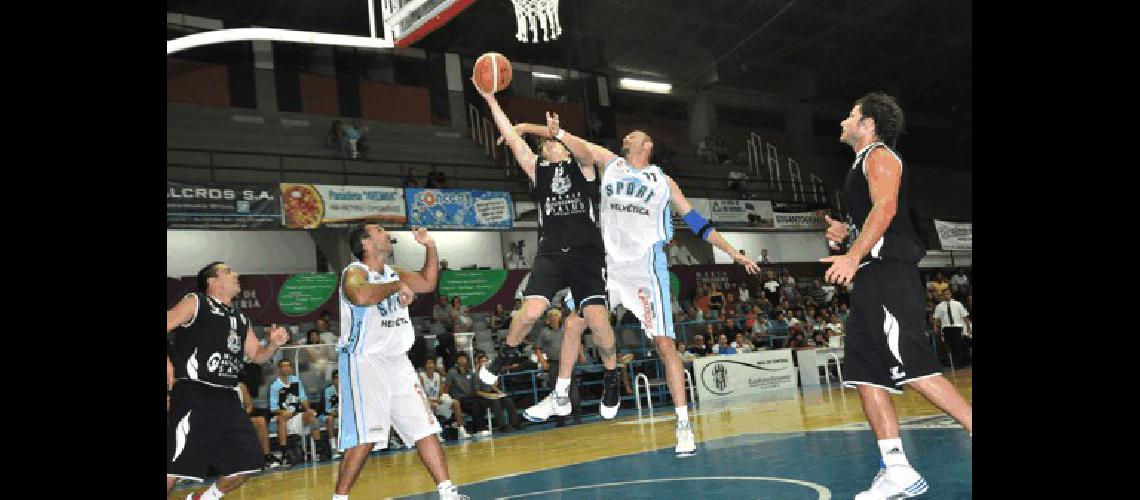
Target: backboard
<point>402,23</point>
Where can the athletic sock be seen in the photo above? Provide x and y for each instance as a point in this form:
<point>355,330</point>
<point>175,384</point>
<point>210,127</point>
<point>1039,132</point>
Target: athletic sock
<point>562,387</point>
<point>213,493</point>
<point>892,452</point>
<point>445,487</point>
<point>340,497</point>
<point>682,414</point>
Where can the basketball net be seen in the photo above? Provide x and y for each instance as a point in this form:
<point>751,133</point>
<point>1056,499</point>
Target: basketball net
<point>536,14</point>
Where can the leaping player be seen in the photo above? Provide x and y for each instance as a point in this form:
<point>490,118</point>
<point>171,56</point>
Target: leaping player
<point>636,223</point>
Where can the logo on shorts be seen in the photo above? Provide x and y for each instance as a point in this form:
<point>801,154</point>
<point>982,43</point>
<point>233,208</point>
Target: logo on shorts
<point>646,307</point>
<point>896,374</point>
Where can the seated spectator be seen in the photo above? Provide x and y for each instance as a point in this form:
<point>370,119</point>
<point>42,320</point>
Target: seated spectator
<point>721,150</point>
<point>352,136</point>
<point>334,137</point>
<point>723,347</point>
<point>441,313</point>
<point>797,341</point>
<point>818,338</point>
<point>461,387</point>
<point>460,316</point>
<point>938,284</point>
<point>842,313</point>
<point>436,392</point>
<point>362,145</point>
<point>704,150</point>
<point>778,326</point>
<point>329,332</point>
<point>843,298</point>
<point>436,179</point>
<point>684,352</point>
<point>834,327</point>
<point>500,319</point>
<point>332,410</point>
<point>771,288</point>
<point>959,283</point>
<point>288,399</point>
<point>699,349</point>
<point>497,401</point>
<point>410,179</point>
<point>736,178</point>
<point>828,292</point>
<point>742,291</point>
<point>742,344</point>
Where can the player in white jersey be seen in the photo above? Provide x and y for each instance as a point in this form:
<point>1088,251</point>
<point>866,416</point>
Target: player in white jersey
<point>379,389</point>
<point>636,224</point>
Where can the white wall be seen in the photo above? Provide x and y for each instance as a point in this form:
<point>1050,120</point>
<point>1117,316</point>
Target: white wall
<point>458,248</point>
<point>782,246</point>
<point>248,252</point>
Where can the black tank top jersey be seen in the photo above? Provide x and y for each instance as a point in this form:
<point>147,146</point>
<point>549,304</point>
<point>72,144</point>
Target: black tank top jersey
<point>567,208</point>
<point>900,241</point>
<point>210,347</point>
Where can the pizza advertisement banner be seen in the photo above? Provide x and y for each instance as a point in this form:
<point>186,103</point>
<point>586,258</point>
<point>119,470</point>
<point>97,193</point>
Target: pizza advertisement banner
<point>222,206</point>
<point>459,209</point>
<point>308,206</point>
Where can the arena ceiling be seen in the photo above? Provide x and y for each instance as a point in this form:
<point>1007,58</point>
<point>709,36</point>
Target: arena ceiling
<point>835,50</point>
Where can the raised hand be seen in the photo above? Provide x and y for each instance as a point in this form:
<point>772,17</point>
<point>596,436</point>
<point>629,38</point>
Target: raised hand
<point>422,237</point>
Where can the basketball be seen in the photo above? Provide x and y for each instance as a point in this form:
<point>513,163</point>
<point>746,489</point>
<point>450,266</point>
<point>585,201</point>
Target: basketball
<point>492,71</point>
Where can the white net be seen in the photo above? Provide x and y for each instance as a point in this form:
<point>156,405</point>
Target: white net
<point>533,15</point>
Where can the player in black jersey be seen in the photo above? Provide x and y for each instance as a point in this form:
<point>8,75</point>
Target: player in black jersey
<point>206,423</point>
<point>886,344</point>
<point>570,253</point>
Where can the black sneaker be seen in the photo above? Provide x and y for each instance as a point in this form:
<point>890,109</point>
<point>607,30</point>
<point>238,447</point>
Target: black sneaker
<point>611,397</point>
<point>271,461</point>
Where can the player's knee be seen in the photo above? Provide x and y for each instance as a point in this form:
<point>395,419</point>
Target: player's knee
<point>532,311</point>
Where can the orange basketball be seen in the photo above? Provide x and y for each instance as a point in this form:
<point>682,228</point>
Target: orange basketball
<point>492,71</point>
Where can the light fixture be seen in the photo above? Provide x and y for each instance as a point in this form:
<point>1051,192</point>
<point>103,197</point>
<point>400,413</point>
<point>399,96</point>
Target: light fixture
<point>645,86</point>
<point>539,74</point>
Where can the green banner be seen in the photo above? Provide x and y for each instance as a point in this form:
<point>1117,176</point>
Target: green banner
<point>303,293</point>
<point>473,286</point>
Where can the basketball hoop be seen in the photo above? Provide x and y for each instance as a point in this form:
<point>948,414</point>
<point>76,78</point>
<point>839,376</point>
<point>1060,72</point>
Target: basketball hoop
<point>535,14</point>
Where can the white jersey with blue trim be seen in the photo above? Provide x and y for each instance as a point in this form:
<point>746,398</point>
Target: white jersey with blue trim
<point>384,327</point>
<point>635,213</point>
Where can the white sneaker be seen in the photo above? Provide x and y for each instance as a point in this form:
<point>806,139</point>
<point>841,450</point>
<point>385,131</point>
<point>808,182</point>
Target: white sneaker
<point>686,444</point>
<point>552,404</point>
<point>896,481</point>
<point>453,494</point>
<point>463,433</point>
<point>484,433</point>
<point>486,376</point>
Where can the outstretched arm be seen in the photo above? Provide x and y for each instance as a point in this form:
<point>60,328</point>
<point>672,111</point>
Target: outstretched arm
<point>713,236</point>
<point>521,150</point>
<point>587,153</point>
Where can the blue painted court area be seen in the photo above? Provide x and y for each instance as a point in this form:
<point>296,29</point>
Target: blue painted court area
<point>802,465</point>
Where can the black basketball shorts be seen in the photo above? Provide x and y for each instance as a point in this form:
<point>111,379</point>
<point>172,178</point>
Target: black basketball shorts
<point>208,427</point>
<point>582,269</point>
<point>886,343</point>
